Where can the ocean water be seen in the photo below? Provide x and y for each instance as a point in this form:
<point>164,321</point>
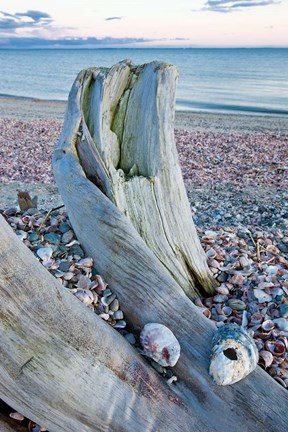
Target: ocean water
<point>215,80</point>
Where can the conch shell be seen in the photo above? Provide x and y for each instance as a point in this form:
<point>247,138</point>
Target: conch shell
<point>234,355</point>
<point>160,344</point>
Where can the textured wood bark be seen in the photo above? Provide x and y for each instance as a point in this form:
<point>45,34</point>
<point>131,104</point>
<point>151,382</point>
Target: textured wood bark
<point>110,167</point>
<point>121,122</point>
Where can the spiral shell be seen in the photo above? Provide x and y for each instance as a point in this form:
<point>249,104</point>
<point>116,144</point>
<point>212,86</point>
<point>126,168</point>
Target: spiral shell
<point>160,344</point>
<point>234,355</point>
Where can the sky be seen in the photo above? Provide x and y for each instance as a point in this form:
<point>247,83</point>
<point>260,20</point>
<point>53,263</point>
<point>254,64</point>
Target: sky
<point>143,23</point>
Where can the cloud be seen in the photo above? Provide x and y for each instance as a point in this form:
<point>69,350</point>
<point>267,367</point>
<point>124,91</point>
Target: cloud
<point>90,42</point>
<point>226,6</point>
<point>29,19</point>
<point>113,18</point>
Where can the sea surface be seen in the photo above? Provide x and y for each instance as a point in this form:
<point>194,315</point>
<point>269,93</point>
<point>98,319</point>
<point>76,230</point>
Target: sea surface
<point>215,80</point>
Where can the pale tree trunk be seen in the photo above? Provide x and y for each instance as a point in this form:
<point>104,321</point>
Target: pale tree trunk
<point>62,366</point>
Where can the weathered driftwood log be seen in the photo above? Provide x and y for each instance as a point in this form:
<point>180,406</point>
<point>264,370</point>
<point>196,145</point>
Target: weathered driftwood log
<point>65,368</point>
<point>121,123</point>
<point>134,220</point>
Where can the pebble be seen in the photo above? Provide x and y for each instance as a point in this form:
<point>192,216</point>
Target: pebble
<point>114,306</point>
<point>118,315</point>
<point>236,304</point>
<point>120,324</point>
<point>67,236</point>
<point>130,338</point>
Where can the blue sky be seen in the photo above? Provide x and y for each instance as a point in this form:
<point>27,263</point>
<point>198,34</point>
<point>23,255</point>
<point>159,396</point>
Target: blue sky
<point>148,23</point>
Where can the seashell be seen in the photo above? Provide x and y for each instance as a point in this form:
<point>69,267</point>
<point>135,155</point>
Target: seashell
<point>16,416</point>
<point>68,275</point>
<point>226,311</point>
<point>160,344</point>
<point>205,311</point>
<point>83,282</point>
<point>45,253</point>
<point>237,279</point>
<point>244,261</point>
<point>272,249</point>
<point>262,296</point>
<point>281,323</point>
<point>256,318</point>
<point>277,292</point>
<point>222,289</point>
<point>234,355</point>
<point>220,298</point>
<point>267,325</point>
<point>85,296</point>
<point>266,357</point>
<point>263,285</point>
<point>101,284</point>
<point>272,270</point>
<point>33,427</point>
<point>85,262</point>
<point>211,253</point>
<point>277,348</point>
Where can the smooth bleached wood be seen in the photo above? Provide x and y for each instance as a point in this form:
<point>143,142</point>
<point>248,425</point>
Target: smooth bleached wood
<point>126,146</point>
<point>110,210</point>
<point>65,368</point>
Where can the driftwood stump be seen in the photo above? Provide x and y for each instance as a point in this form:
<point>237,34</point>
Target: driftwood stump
<point>117,171</point>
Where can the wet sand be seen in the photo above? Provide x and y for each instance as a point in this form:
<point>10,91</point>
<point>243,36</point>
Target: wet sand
<point>28,109</point>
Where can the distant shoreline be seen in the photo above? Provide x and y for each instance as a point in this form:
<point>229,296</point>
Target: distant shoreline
<point>30,108</point>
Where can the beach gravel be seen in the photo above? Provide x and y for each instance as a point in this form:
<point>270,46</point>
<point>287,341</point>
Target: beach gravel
<point>236,176</point>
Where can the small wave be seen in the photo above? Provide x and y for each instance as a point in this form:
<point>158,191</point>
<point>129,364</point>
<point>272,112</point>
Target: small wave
<point>226,108</point>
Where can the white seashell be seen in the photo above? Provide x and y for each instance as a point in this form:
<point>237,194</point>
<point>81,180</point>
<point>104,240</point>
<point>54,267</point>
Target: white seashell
<point>160,344</point>
<point>45,253</point>
<point>16,416</point>
<point>234,355</point>
<point>262,296</point>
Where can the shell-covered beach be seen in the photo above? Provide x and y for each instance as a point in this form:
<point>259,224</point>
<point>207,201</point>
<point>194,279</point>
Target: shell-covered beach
<point>235,169</point>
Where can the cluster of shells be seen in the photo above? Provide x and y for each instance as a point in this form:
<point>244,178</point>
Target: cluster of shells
<point>51,238</point>
<point>253,291</point>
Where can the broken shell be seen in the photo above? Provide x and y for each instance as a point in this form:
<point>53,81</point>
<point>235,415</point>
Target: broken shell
<point>234,355</point>
<point>267,325</point>
<point>262,296</point>
<point>45,253</point>
<point>266,358</point>
<point>16,416</point>
<point>277,348</point>
<point>160,344</point>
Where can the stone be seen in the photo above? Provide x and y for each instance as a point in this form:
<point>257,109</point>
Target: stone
<point>222,277</point>
<point>236,304</point>
<point>67,236</point>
